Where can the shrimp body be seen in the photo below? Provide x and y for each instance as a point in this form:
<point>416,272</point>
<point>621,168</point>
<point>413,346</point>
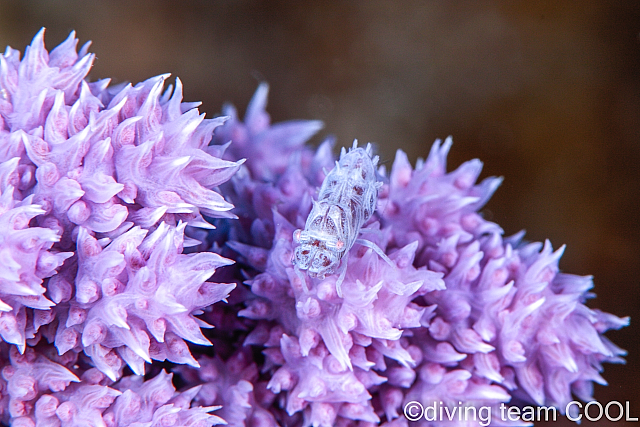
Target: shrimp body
<point>346,200</point>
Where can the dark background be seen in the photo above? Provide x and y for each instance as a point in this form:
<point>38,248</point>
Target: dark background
<point>546,93</point>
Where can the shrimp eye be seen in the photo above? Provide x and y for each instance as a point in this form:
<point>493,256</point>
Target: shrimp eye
<point>296,235</point>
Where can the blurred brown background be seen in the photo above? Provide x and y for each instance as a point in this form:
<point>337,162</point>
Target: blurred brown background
<point>546,93</point>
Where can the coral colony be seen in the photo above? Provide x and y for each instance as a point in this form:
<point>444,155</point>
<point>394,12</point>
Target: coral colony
<point>130,225</point>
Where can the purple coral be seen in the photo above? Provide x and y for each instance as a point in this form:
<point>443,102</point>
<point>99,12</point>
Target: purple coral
<point>109,197</point>
<point>149,290</point>
<point>465,315</point>
<point>111,177</point>
<point>236,386</point>
<point>27,260</point>
<point>507,317</point>
<point>97,156</point>
<point>46,393</point>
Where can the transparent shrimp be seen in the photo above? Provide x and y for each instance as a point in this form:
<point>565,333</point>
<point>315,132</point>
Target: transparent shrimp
<point>347,199</point>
